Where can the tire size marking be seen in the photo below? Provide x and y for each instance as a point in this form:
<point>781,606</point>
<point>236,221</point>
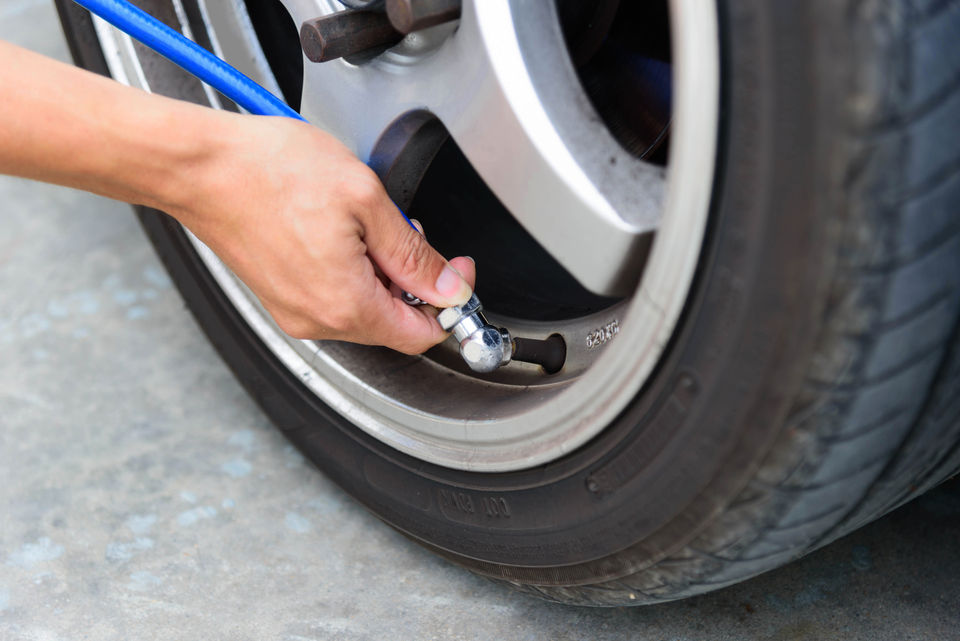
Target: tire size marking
<point>493,507</point>
<point>457,501</point>
<point>603,334</point>
<point>496,507</point>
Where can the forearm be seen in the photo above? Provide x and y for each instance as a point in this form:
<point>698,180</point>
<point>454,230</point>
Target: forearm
<point>294,213</point>
<point>62,125</point>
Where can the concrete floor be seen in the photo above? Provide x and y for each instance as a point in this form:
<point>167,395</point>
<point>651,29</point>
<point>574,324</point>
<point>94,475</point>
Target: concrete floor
<point>143,496</point>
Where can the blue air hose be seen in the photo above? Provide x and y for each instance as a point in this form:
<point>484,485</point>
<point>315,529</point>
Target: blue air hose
<point>193,58</point>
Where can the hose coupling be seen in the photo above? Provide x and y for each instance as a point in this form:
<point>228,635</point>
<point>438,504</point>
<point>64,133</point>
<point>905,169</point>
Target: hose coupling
<point>483,346</point>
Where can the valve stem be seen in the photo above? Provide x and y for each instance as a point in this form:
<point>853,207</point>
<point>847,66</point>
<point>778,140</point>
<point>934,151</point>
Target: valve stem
<point>486,348</point>
<point>550,353</point>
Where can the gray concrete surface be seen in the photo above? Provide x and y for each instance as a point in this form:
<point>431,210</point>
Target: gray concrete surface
<point>143,495</point>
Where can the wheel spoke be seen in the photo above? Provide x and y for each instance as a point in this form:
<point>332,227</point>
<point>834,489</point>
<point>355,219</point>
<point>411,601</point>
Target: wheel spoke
<point>522,120</point>
<point>507,92</point>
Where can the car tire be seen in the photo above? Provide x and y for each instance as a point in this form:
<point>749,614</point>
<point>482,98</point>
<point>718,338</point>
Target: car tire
<point>813,381</point>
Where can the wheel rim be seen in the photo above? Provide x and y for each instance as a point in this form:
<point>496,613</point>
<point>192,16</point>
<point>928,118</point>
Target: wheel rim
<point>431,407</point>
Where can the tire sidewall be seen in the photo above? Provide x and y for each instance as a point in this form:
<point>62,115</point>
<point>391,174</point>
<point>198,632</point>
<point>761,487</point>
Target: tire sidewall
<point>706,418</point>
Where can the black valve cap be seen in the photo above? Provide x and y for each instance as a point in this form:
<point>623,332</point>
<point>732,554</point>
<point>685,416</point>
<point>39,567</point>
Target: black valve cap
<point>550,354</point>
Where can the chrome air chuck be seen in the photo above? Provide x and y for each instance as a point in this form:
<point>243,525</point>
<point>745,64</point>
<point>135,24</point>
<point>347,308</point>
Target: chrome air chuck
<point>483,346</point>
<point>486,348</point>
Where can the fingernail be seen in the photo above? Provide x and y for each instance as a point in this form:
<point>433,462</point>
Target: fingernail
<point>416,223</point>
<point>450,285</point>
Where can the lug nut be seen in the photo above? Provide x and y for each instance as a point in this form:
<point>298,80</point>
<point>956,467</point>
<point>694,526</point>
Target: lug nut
<point>413,15</point>
<point>346,33</point>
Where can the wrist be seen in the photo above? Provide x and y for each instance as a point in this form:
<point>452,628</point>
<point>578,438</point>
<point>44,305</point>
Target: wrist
<point>188,145</point>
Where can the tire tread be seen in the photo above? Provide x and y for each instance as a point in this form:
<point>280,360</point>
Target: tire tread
<point>884,424</point>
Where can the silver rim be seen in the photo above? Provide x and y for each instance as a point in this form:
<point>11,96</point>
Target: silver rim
<point>498,99</point>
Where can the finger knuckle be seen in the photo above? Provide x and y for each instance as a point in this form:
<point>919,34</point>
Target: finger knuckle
<point>412,254</point>
<point>364,188</point>
<point>342,319</point>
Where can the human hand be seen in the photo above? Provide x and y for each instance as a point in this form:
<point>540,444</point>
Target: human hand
<point>290,210</point>
<point>311,231</point>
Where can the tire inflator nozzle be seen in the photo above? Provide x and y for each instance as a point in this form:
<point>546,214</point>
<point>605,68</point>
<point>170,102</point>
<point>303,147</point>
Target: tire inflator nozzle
<point>485,348</point>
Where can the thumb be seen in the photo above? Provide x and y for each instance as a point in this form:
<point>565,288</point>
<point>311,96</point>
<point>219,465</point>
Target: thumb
<point>409,261</point>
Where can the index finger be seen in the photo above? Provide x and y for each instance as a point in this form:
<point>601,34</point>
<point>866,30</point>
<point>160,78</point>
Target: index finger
<point>394,324</point>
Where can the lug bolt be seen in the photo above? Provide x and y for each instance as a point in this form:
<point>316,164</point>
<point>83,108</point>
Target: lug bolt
<point>346,33</point>
<point>413,15</point>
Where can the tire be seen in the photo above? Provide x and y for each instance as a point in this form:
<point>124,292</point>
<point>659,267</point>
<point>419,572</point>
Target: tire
<point>812,383</point>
